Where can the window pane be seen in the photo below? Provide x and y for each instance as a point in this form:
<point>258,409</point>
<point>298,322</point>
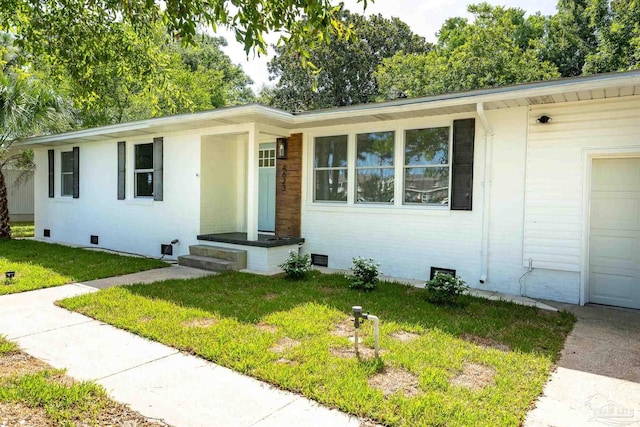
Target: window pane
<point>375,185</point>
<point>331,185</point>
<point>144,156</point>
<point>144,184</point>
<point>427,185</point>
<point>67,161</point>
<point>67,184</point>
<point>331,152</point>
<point>375,149</point>
<point>427,146</point>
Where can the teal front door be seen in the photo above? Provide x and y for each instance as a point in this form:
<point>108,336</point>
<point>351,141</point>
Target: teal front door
<point>267,187</point>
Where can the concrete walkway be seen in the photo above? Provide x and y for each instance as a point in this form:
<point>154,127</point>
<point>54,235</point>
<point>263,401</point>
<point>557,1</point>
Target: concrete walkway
<point>153,379</point>
<point>598,377</point>
<point>173,272</point>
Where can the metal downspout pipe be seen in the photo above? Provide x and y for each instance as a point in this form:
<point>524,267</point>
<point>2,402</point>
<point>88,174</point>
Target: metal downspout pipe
<point>486,203</point>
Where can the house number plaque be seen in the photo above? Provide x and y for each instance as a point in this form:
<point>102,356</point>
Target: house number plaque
<point>283,175</point>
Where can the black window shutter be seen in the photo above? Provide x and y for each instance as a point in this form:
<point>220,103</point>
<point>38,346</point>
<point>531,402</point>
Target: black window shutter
<point>122,169</point>
<point>76,172</point>
<point>51,173</point>
<point>157,169</point>
<point>462,179</point>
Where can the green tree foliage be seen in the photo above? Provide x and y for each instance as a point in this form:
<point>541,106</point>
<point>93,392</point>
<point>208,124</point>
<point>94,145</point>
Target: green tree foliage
<point>109,56</point>
<point>146,76</point>
<point>27,107</point>
<point>571,35</point>
<point>248,19</point>
<point>618,36</point>
<point>498,48</point>
<point>345,66</point>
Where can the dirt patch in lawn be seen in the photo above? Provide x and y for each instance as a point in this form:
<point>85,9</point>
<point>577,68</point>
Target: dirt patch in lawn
<point>285,361</point>
<point>327,290</point>
<point>200,323</point>
<point>18,364</point>
<point>350,352</point>
<point>474,376</point>
<point>485,342</point>
<point>17,414</point>
<point>284,344</point>
<point>393,380</point>
<point>271,296</point>
<point>344,329</point>
<point>266,327</point>
<point>404,336</point>
<point>146,319</point>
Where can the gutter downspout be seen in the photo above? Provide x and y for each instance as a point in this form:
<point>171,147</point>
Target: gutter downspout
<point>486,203</point>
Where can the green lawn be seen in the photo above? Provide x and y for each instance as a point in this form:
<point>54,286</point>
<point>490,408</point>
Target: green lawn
<point>480,363</point>
<point>22,229</point>
<point>41,265</point>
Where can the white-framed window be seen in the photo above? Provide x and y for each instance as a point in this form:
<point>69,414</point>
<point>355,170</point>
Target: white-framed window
<point>375,171</point>
<point>66,172</point>
<point>426,166</point>
<point>330,163</point>
<point>143,170</point>
<point>267,158</point>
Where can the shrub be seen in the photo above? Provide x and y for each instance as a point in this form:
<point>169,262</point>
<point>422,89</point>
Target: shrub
<point>365,274</point>
<point>296,266</point>
<point>445,288</point>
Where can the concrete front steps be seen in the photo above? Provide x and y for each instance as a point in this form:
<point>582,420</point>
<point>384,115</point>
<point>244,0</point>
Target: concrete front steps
<point>214,258</point>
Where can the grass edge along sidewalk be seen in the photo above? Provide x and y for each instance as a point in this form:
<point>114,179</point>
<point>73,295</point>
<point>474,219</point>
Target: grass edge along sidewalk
<point>41,265</point>
<point>33,393</point>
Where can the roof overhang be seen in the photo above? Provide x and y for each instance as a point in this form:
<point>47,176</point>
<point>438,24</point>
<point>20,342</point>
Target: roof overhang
<point>600,86</point>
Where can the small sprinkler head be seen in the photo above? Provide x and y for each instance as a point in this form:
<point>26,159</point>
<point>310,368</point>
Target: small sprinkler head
<point>8,277</point>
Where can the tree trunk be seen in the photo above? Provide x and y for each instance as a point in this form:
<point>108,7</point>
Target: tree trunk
<point>5,228</point>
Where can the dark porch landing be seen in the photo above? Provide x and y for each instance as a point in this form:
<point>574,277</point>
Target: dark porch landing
<point>264,240</point>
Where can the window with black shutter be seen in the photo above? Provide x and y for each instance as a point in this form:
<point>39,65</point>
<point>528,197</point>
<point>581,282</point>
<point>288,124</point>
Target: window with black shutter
<point>462,164</point>
<point>122,169</point>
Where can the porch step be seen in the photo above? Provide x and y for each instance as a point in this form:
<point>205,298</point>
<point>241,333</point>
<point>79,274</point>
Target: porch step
<point>206,263</point>
<point>238,256</point>
<point>214,258</point>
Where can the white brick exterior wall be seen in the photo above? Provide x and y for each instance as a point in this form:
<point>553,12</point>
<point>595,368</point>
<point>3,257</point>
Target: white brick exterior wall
<point>537,210</point>
<point>409,240</point>
<point>131,225</point>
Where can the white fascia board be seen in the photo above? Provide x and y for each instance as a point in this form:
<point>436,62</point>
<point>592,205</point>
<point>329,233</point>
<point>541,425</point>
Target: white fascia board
<point>469,98</point>
<point>85,133</point>
<point>253,110</point>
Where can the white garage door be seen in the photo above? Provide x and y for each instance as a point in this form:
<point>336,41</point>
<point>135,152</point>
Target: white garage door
<point>614,247</point>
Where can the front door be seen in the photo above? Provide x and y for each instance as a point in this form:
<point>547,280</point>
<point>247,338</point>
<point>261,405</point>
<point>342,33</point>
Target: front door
<point>267,187</point>
<point>614,246</point>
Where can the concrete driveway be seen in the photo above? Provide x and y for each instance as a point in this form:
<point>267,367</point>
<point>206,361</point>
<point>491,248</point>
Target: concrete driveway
<point>598,377</point>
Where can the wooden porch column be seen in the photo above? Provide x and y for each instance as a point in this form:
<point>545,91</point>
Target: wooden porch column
<point>252,184</point>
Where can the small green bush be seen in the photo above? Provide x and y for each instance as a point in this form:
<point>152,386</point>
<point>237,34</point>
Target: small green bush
<point>365,274</point>
<point>296,266</point>
<point>445,288</point>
